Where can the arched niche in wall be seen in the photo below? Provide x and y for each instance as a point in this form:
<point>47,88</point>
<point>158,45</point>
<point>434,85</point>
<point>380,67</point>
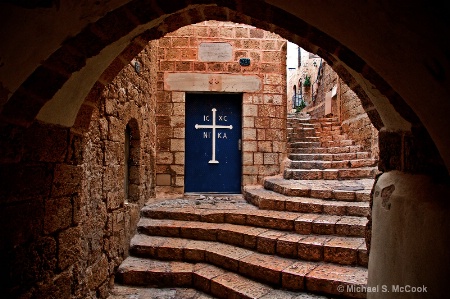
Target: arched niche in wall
<point>132,161</point>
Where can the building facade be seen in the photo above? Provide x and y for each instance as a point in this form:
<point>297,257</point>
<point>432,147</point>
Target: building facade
<point>208,64</point>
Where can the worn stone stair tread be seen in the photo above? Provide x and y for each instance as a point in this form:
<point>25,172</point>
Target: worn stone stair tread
<point>332,150</point>
<point>340,203</point>
<point>335,249</point>
<point>329,157</point>
<point>134,292</point>
<point>359,189</point>
<point>305,144</point>
<point>205,278</point>
<point>305,223</point>
<point>332,174</point>
<point>321,164</point>
<point>290,274</point>
<point>344,142</point>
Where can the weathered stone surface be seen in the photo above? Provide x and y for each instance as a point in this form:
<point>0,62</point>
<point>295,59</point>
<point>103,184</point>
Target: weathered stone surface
<point>206,65</point>
<point>58,214</point>
<point>70,247</point>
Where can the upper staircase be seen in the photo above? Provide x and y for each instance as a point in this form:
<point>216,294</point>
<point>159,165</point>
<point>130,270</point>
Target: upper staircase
<point>300,235</point>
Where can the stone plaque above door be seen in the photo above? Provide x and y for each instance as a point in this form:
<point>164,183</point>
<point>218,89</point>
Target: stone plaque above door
<point>215,52</point>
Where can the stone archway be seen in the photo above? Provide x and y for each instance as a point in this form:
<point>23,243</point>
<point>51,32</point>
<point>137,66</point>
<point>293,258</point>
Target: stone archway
<point>49,89</point>
<point>392,88</point>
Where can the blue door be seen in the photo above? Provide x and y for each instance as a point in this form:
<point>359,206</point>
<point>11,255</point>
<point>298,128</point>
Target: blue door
<point>213,137</point>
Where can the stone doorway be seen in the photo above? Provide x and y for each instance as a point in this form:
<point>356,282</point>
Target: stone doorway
<point>213,159</point>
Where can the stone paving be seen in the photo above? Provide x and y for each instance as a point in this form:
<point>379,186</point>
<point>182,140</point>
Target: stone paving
<point>127,292</point>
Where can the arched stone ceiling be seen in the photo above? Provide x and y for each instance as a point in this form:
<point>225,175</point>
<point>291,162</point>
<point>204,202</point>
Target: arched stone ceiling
<point>51,57</point>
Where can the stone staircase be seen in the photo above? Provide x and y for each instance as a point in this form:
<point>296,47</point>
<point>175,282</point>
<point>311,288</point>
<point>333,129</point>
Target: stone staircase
<point>319,150</point>
<point>301,235</point>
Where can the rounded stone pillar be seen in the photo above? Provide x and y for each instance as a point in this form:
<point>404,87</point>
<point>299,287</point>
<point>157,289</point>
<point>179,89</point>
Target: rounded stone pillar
<point>409,255</point>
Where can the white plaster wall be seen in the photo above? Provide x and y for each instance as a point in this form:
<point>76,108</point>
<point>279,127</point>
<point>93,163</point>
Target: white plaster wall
<point>410,236</point>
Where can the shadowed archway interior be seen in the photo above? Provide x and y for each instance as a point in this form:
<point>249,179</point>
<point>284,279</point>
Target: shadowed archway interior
<point>392,55</point>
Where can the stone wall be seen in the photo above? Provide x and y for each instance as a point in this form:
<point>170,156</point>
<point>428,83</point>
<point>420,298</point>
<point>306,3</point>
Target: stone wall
<point>65,223</point>
<point>115,188</point>
<point>355,121</point>
<point>321,83</point>
<point>264,110</point>
<point>345,105</point>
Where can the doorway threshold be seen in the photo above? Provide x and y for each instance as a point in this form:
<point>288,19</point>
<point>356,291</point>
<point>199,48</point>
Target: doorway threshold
<point>216,195</point>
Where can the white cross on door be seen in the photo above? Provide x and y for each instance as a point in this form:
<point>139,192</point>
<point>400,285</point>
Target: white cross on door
<point>213,127</point>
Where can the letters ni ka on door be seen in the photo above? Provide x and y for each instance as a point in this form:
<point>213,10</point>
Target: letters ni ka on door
<point>213,143</point>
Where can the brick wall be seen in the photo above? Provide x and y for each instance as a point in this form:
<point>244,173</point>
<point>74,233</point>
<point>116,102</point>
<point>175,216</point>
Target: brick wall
<point>65,224</point>
<point>264,110</point>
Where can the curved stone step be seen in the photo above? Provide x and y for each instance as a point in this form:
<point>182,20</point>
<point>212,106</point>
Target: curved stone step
<point>272,270</point>
<point>347,190</point>
<point>209,279</point>
<point>135,292</point>
<point>335,143</point>
<point>270,200</point>
<point>329,157</point>
<point>325,120</point>
<point>321,150</point>
<point>303,223</point>
<point>330,174</point>
<point>333,249</point>
<point>294,138</point>
<point>305,144</point>
<point>318,164</point>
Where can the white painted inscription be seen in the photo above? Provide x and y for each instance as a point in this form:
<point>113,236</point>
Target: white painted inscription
<point>220,135</point>
<point>218,52</point>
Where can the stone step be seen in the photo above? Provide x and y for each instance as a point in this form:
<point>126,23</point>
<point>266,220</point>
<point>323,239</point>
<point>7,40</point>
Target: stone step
<point>321,150</point>
<point>328,128</point>
<point>134,292</point>
<point>270,200</point>
<point>324,120</point>
<point>331,134</point>
<point>303,223</point>
<point>333,249</point>
<point>347,190</point>
<point>292,124</point>
<point>305,144</point>
<point>318,164</point>
<point>299,133</point>
<point>330,174</point>
<point>335,143</point>
<point>274,271</point>
<point>300,128</point>
<point>294,139</point>
<point>329,157</point>
<point>224,284</point>
<point>331,137</point>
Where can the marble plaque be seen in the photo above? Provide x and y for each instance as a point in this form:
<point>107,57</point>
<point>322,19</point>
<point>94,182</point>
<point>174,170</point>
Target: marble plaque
<point>217,52</point>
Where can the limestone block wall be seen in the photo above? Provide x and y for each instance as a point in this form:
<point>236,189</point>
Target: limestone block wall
<point>264,108</point>
<point>320,85</point>
<point>65,223</point>
<point>355,121</point>
<point>345,105</point>
<point>118,169</point>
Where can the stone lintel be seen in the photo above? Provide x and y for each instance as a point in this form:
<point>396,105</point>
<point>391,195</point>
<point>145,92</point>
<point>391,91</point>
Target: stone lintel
<point>211,82</point>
